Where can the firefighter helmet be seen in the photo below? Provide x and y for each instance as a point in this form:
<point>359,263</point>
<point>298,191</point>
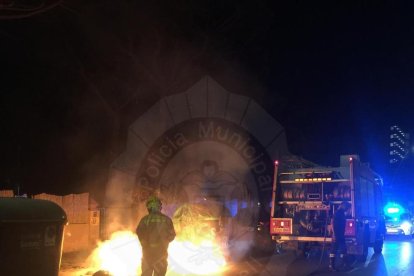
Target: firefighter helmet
<point>154,204</point>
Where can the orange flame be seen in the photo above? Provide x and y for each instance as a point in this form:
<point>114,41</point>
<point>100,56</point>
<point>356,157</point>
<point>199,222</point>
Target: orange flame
<point>196,250</point>
<point>121,256</point>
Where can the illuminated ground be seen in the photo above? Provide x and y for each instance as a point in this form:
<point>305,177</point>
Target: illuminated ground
<point>397,259</point>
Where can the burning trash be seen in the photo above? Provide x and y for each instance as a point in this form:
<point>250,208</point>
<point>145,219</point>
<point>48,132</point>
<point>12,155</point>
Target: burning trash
<point>196,250</point>
<point>118,256</point>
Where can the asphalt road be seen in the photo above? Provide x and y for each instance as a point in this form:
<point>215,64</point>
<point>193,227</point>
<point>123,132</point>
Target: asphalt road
<point>397,259</point>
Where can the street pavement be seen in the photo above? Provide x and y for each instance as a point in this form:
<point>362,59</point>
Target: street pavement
<point>397,259</point>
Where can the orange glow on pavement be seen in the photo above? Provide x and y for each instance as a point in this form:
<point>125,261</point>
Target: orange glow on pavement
<point>191,253</point>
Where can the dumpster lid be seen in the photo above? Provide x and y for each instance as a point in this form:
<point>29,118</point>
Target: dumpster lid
<point>30,210</point>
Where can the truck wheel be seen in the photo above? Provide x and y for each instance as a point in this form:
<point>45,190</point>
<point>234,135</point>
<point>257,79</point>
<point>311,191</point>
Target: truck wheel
<point>365,244</point>
<point>363,256</point>
<point>351,259</point>
<point>378,246</point>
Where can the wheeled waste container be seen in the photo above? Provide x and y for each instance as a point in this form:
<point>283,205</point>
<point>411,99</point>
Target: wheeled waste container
<point>31,237</point>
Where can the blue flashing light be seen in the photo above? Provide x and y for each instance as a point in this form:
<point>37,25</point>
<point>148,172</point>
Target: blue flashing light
<point>393,209</point>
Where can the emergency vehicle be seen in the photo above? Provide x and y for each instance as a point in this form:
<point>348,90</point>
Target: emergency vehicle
<point>306,196</point>
<point>398,221</point>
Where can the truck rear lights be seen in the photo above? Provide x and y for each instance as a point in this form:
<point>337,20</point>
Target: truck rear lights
<point>281,226</point>
<point>350,227</point>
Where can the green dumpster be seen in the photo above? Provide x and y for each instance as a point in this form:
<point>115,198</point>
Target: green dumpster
<point>31,237</point>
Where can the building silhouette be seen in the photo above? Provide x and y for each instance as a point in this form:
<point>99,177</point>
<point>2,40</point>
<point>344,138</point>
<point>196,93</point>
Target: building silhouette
<point>399,145</point>
<point>399,187</point>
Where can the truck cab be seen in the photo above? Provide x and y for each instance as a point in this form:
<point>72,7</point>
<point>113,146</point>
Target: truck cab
<point>305,199</point>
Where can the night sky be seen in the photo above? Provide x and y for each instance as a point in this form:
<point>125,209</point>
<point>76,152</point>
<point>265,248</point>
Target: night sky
<point>75,77</point>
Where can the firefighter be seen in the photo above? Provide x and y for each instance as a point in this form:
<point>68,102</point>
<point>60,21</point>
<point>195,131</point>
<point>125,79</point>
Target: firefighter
<point>155,231</point>
<point>338,244</point>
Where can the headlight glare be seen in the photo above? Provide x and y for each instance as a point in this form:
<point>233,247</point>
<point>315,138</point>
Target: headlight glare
<point>406,227</point>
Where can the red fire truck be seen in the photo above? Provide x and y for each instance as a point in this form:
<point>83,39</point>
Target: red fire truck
<point>305,198</point>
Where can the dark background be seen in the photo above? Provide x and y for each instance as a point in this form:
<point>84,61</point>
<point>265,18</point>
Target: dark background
<point>73,79</point>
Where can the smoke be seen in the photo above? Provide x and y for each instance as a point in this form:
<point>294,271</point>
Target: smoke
<point>143,58</point>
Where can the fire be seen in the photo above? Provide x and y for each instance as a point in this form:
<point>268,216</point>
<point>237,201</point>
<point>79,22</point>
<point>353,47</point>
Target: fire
<point>196,250</point>
<point>121,256</point>
<point>188,258</point>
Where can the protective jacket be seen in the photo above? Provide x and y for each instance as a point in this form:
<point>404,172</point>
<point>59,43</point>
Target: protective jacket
<point>156,231</point>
